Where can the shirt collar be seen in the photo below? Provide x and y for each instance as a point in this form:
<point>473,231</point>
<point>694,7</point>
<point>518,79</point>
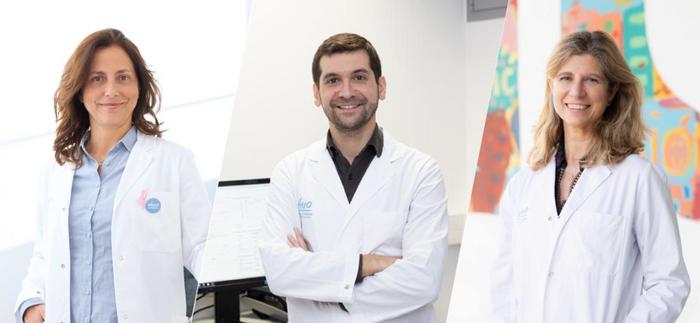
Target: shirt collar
<point>376,142</point>
<point>128,141</point>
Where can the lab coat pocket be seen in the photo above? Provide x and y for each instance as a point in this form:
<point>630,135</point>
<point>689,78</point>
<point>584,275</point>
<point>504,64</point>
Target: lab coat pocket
<point>157,223</point>
<point>599,238</point>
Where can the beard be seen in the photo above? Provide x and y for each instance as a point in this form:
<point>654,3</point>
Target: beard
<point>350,124</point>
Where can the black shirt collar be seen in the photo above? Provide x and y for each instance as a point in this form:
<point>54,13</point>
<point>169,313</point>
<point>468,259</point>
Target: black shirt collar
<point>376,142</point>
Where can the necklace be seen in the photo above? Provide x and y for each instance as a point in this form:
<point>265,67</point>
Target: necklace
<point>571,187</point>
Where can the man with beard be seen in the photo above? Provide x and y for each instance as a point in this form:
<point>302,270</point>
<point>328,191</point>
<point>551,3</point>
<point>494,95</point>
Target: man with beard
<point>357,222</point>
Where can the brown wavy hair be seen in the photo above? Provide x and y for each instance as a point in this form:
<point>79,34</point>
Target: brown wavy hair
<point>72,117</point>
<point>620,130</point>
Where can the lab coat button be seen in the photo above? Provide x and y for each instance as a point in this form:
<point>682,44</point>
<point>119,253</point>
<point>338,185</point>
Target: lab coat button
<point>121,258</point>
<point>38,292</point>
<point>63,266</point>
<point>549,219</point>
<point>551,273</point>
<point>346,287</point>
<point>126,317</point>
<point>63,209</point>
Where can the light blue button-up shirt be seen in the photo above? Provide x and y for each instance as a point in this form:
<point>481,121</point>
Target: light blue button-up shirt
<point>90,232</point>
<point>90,223</point>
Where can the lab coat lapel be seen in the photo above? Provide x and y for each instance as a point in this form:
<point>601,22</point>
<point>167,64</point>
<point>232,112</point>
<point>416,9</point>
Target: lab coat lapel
<point>544,199</point>
<point>62,187</point>
<point>377,175</point>
<point>324,172</point>
<point>139,160</point>
<point>590,180</point>
<point>60,190</point>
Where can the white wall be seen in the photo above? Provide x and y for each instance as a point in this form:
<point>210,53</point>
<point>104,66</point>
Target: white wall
<point>671,25</point>
<point>195,51</point>
<point>483,40</point>
<point>422,47</point>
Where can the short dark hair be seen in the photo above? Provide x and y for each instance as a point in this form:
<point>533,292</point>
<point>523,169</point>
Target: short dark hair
<point>71,114</point>
<point>344,43</point>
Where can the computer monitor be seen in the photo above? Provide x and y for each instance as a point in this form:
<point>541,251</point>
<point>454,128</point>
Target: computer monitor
<point>232,260</point>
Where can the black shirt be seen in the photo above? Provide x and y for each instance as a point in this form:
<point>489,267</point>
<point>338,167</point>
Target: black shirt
<point>560,166</point>
<point>351,175</point>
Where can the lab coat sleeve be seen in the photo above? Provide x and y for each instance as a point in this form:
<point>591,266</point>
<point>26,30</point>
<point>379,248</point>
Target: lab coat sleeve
<point>195,211</point>
<point>292,272</point>
<point>34,283</point>
<point>666,283</point>
<point>502,297</point>
<point>415,280</point>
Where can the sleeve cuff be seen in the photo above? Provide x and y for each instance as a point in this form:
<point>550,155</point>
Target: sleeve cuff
<point>359,277</point>
<point>24,306</point>
<point>349,277</point>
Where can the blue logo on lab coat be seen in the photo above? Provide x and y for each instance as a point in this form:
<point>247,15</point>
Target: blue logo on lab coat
<point>305,208</point>
<point>153,205</point>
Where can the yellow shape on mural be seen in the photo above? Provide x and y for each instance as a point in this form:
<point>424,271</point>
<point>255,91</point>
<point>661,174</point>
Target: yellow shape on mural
<point>677,151</point>
<point>622,3</point>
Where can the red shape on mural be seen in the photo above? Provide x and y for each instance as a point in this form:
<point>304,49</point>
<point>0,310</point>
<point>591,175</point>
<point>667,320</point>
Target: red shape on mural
<point>494,156</point>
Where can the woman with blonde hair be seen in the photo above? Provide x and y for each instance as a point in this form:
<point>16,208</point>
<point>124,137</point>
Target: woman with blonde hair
<point>589,230</point>
<point>121,210</point>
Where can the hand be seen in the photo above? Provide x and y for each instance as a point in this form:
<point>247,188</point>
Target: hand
<point>296,240</point>
<point>35,314</point>
<point>372,264</point>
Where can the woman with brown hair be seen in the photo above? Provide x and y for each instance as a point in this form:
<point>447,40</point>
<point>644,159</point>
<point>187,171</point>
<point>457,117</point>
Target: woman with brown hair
<point>121,211</point>
<point>590,232</point>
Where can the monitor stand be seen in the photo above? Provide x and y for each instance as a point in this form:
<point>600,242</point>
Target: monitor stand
<point>227,306</point>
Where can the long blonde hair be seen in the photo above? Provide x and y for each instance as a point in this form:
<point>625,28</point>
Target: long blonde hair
<point>620,130</point>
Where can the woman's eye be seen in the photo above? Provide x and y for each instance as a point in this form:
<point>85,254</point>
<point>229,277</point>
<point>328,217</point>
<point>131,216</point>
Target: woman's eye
<point>96,78</point>
<point>124,77</point>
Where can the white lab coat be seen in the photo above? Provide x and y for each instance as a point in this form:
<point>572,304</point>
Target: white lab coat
<point>613,254</point>
<point>399,209</point>
<point>148,250</point>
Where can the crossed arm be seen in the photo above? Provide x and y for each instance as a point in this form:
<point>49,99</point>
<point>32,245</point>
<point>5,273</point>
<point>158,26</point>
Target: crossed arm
<point>396,285</point>
<point>369,264</point>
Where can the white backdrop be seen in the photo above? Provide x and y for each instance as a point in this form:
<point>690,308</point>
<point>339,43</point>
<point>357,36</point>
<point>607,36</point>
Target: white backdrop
<point>195,51</point>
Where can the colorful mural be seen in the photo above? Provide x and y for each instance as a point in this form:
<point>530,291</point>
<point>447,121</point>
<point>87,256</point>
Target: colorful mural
<point>499,154</point>
<point>673,144</point>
